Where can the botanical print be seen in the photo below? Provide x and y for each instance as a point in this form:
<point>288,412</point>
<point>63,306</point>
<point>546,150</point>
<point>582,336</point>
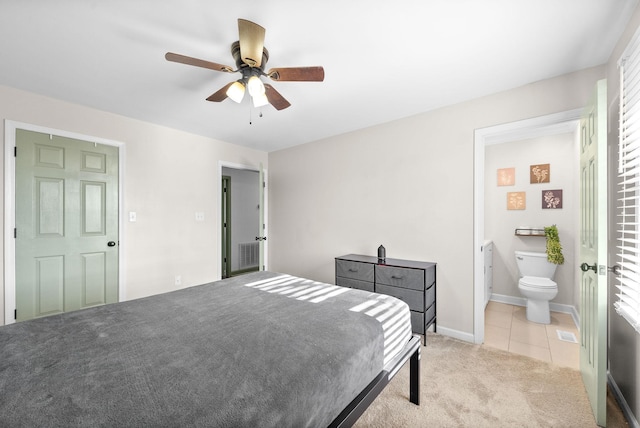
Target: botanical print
<point>551,199</point>
<point>506,176</point>
<point>516,200</point>
<point>540,173</point>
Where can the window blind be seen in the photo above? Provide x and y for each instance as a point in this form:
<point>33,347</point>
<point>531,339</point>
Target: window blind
<point>628,245</point>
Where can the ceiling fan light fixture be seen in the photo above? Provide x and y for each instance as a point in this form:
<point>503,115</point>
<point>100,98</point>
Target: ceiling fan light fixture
<point>236,91</point>
<point>255,86</point>
<point>260,100</point>
<point>251,56</point>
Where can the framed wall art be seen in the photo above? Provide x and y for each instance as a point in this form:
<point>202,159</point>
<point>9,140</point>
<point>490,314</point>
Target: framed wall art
<point>551,199</point>
<point>540,173</point>
<point>506,176</point>
<point>516,200</point>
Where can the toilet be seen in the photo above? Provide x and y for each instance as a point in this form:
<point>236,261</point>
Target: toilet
<point>536,274</point>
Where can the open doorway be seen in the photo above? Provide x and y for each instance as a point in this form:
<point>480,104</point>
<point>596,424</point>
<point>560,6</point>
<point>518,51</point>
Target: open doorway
<point>240,221</point>
<point>554,124</point>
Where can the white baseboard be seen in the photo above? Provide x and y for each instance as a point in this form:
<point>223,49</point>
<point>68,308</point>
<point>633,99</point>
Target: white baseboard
<point>628,414</point>
<point>566,309</point>
<point>509,300</point>
<point>555,307</point>
<point>456,334</point>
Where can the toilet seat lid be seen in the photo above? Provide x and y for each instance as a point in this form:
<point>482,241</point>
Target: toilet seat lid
<point>537,282</point>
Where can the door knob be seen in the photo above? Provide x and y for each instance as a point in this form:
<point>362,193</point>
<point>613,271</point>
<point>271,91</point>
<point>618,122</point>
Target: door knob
<point>585,267</point>
<point>615,269</point>
<point>111,244</point>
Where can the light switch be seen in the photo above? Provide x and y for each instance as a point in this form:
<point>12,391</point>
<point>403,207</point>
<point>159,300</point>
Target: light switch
<point>132,216</point>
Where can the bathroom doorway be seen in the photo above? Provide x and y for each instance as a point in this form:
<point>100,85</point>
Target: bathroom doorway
<point>523,131</point>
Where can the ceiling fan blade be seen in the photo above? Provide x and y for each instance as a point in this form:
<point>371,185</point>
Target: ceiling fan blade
<point>251,42</point>
<point>299,74</point>
<point>221,94</point>
<point>174,57</point>
<point>274,97</point>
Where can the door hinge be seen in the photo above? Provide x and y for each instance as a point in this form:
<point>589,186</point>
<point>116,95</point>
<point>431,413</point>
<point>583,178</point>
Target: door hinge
<point>15,314</point>
<point>15,232</point>
<point>15,152</point>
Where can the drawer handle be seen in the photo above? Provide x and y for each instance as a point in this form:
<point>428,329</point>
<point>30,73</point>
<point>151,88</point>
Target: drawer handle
<point>396,277</point>
<point>353,270</point>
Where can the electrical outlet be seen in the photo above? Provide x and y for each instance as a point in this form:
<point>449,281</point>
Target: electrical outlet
<point>132,216</point>
<point>178,280</point>
<point>199,216</point>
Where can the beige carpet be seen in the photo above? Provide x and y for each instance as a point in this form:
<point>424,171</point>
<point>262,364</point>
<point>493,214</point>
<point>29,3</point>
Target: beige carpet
<point>466,385</point>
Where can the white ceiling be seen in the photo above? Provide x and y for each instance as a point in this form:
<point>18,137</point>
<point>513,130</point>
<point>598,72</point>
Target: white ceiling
<point>383,59</point>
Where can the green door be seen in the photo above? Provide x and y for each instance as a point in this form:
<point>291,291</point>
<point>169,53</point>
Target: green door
<point>66,224</point>
<point>593,251</point>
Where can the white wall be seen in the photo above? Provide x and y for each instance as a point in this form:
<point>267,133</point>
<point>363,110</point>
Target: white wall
<point>561,153</point>
<point>406,184</point>
<point>169,175</point>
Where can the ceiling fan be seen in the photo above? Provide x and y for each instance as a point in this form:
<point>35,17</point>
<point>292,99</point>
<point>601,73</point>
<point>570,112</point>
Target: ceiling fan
<point>251,57</point>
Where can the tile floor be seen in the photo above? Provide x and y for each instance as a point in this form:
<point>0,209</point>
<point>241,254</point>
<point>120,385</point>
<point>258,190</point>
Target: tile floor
<point>506,327</point>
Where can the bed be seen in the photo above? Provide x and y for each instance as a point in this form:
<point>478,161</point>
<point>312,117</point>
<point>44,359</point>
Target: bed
<point>263,349</point>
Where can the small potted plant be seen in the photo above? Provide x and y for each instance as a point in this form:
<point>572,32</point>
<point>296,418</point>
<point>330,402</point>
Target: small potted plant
<point>554,249</point>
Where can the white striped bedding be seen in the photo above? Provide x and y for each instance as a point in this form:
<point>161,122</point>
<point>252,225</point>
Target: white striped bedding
<point>393,314</point>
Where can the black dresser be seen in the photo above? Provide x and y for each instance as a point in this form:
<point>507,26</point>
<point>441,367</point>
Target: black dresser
<point>413,282</point>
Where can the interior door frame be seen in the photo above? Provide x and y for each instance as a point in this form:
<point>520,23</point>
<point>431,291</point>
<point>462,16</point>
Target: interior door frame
<point>225,232</point>
<point>225,164</point>
<point>10,128</point>
<point>557,123</point>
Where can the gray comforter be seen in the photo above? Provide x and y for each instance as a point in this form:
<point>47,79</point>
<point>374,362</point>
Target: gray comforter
<point>218,355</point>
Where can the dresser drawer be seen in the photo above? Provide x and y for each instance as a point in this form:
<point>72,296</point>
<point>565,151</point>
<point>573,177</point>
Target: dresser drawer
<point>413,298</point>
<point>417,322</point>
<point>430,296</point>
<point>430,276</point>
<point>400,277</point>
<point>354,270</point>
<point>430,314</point>
<point>354,283</point>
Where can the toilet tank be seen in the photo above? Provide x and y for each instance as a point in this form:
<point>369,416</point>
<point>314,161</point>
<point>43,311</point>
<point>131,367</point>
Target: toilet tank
<point>535,264</point>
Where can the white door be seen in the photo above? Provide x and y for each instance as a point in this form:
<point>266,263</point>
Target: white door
<point>593,251</point>
<point>66,224</point>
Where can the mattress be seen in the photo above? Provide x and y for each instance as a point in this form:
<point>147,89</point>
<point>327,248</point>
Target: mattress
<point>392,314</point>
<point>263,349</point>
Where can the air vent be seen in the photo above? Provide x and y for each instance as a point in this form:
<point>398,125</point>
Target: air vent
<point>566,336</point>
<point>249,254</point>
